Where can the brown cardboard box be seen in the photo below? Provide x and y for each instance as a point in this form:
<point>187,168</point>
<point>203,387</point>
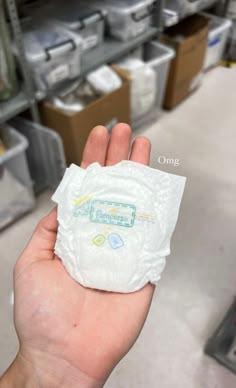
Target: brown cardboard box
<point>75,128</point>
<point>189,39</point>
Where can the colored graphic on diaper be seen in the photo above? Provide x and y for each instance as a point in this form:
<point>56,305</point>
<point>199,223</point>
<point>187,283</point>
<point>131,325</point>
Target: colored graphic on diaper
<point>113,213</point>
<point>82,205</point>
<point>99,240</point>
<point>82,209</point>
<point>115,241</point>
<point>82,200</point>
<point>145,218</point>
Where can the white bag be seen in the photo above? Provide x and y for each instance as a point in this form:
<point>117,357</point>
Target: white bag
<point>143,85</point>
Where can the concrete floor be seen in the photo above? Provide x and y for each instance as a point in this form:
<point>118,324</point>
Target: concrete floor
<point>199,282</point>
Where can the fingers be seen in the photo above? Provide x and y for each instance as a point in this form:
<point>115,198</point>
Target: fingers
<point>96,147</point>
<point>119,144</point>
<point>141,150</point>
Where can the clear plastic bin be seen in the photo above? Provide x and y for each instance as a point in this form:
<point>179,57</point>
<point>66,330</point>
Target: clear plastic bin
<point>187,7</point>
<point>127,18</point>
<point>183,7</point>
<point>45,154</point>
<point>158,56</point>
<point>53,53</point>
<point>16,193</point>
<point>231,9</point>
<point>218,34</point>
<point>232,49</point>
<point>89,23</point>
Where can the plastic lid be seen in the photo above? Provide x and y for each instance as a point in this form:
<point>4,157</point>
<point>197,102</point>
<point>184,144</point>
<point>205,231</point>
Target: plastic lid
<point>76,14</point>
<point>41,38</point>
<point>126,6</point>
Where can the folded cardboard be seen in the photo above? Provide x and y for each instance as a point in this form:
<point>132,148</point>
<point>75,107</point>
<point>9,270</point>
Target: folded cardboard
<point>74,128</point>
<point>189,39</point>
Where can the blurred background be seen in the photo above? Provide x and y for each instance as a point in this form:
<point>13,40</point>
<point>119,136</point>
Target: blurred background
<point>168,68</point>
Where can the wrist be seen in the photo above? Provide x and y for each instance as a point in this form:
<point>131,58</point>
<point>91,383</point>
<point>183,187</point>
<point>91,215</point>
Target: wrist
<point>46,372</point>
<point>17,375</point>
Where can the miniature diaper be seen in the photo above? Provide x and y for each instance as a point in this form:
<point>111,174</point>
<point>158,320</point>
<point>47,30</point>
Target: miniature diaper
<point>115,224</point>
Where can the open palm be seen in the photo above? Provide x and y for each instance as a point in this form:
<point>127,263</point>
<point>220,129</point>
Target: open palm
<point>64,329</point>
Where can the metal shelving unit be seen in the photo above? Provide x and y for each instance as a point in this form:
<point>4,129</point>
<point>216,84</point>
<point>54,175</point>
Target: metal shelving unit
<point>113,49</point>
<point>13,107</point>
<point>29,94</point>
<point>171,17</point>
<point>109,51</point>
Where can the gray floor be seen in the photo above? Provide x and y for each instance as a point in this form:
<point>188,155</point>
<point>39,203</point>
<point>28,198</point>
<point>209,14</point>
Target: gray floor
<point>199,282</point>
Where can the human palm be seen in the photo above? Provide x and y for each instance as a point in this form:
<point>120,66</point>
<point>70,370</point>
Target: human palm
<point>63,327</point>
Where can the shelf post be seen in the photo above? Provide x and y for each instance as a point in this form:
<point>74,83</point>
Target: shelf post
<point>26,73</point>
<point>158,16</point>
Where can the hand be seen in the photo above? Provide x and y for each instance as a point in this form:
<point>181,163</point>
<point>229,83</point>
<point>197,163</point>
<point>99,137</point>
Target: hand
<point>71,336</point>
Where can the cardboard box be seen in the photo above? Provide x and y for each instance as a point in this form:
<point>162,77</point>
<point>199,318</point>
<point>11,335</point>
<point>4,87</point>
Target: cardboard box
<point>189,38</point>
<point>74,128</point>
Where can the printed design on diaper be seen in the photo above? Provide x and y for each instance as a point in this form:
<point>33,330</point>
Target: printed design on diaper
<point>82,206</point>
<point>146,218</point>
<point>113,213</point>
<point>99,240</point>
<point>114,240</point>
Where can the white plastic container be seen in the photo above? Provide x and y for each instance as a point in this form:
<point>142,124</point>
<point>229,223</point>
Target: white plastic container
<point>16,193</point>
<point>232,49</point>
<point>231,10</point>
<point>183,8</point>
<point>158,57</point>
<point>45,154</point>
<point>53,53</point>
<point>89,23</point>
<point>218,34</point>
<point>127,18</point>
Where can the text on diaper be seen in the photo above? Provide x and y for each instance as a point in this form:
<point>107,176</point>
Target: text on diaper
<point>113,213</point>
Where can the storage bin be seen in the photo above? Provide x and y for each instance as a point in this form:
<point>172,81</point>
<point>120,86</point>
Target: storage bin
<point>184,8</point>
<point>158,56</point>
<point>16,194</point>
<point>53,53</point>
<point>74,128</point>
<point>231,9</point>
<point>232,49</point>
<point>219,29</point>
<point>45,154</point>
<point>89,23</point>
<point>127,18</point>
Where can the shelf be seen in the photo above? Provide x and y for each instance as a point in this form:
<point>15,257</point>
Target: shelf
<point>13,107</point>
<point>112,49</point>
<point>171,17</point>
<point>109,51</point>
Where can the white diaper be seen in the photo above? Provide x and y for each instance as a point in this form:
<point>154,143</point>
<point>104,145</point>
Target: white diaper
<point>115,224</point>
